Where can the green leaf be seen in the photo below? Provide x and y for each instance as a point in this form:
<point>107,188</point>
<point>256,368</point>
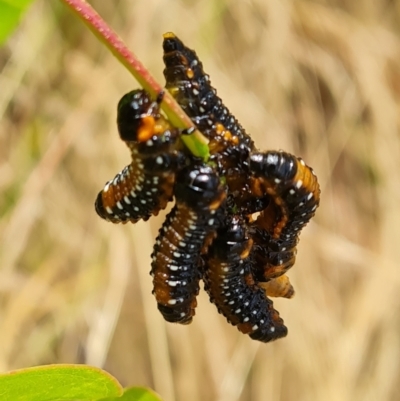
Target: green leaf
<point>58,382</point>
<point>11,12</point>
<point>136,394</point>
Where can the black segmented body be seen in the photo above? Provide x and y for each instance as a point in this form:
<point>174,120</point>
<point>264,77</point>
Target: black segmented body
<point>210,233</point>
<point>230,145</point>
<point>230,284</point>
<point>191,87</point>
<point>176,257</point>
<point>294,192</point>
<point>145,186</point>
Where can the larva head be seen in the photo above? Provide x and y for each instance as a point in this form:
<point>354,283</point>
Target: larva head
<point>172,43</point>
<point>136,116</point>
<point>273,165</point>
<point>199,187</point>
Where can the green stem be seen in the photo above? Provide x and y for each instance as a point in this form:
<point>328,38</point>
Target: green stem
<point>196,142</point>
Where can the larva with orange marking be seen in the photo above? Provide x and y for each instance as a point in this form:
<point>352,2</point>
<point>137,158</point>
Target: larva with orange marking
<point>145,186</point>
<point>229,282</point>
<point>191,87</point>
<point>294,196</point>
<point>176,257</point>
<point>229,145</point>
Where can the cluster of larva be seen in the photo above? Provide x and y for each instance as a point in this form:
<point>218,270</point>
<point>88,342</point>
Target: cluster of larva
<point>210,233</point>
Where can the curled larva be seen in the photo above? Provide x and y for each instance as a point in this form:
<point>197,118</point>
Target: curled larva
<point>176,257</point>
<point>145,186</point>
<point>294,196</point>
<point>230,284</point>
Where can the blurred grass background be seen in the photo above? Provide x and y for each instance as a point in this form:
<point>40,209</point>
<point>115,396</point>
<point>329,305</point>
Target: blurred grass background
<point>320,79</point>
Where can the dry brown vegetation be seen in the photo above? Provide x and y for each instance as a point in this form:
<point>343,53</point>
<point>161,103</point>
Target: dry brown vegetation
<point>318,78</point>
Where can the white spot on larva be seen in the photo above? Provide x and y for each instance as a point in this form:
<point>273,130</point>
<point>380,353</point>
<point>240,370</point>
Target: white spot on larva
<point>133,194</point>
<point>314,208</point>
<point>182,244</point>
<point>173,268</point>
<point>172,283</point>
<point>119,205</point>
<point>301,203</point>
<point>109,210</point>
<point>231,302</point>
<point>172,302</point>
<point>192,227</point>
<point>143,201</point>
<point>149,142</point>
<point>225,280</point>
<point>135,208</point>
<point>238,311</point>
<point>292,191</point>
<point>277,180</point>
<point>246,303</point>
<point>255,327</point>
<point>298,184</point>
<point>107,186</point>
<point>177,254</point>
<point>228,294</point>
<point>283,249</point>
<point>210,222</point>
<point>184,282</point>
<point>310,195</point>
<point>272,329</point>
<point>302,162</point>
<point>126,200</point>
<point>127,214</point>
<point>202,109</point>
<point>254,312</point>
<point>195,92</point>
<point>225,269</point>
<point>246,319</point>
<point>182,314</point>
<point>159,160</point>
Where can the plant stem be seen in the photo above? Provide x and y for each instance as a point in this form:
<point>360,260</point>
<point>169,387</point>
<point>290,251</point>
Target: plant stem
<point>195,142</point>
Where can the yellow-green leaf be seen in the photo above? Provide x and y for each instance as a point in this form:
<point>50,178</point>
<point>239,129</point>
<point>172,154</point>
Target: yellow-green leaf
<point>58,382</point>
<point>11,12</point>
<point>136,394</point>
